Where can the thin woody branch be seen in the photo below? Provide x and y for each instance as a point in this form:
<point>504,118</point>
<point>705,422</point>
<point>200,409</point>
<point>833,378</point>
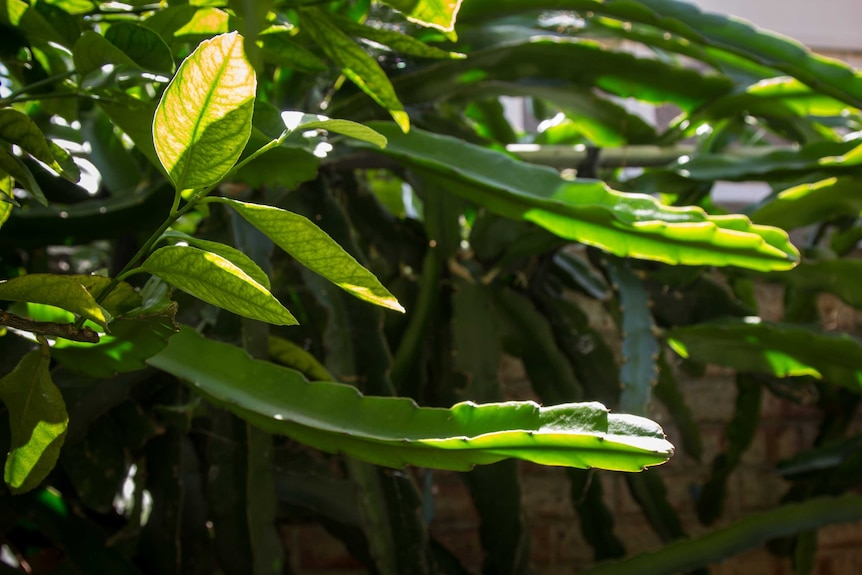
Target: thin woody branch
<point>50,329</point>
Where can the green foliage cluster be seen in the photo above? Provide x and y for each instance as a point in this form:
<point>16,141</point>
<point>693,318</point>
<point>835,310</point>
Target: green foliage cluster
<point>202,274</point>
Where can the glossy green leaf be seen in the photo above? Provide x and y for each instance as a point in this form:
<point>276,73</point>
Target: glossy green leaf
<point>92,51</point>
<point>186,22</point>
<point>233,255</point>
<point>38,418</point>
<point>64,24</point>
<point>279,46</point>
<point>285,352</point>
<point>772,164</point>
<point>395,432</point>
<point>215,280</point>
<point>774,96</point>
<point>748,533</point>
<point>299,122</point>
<point>589,66</point>
<point>807,204</point>
<point>13,166</point>
<point>401,43</point>
<point>313,248</point>
<point>25,17</point>
<point>358,66</point>
<point>141,45</point>
<point>439,14</point>
<point>17,128</point>
<point>203,120</point>
<point>640,349</point>
<point>780,350</point>
<point>716,31</point>
<point>283,166</point>
<point>632,225</point>
<point>65,292</point>
<point>135,119</point>
<point>120,173</point>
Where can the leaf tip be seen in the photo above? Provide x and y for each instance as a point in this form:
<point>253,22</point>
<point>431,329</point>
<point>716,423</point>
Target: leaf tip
<point>402,119</point>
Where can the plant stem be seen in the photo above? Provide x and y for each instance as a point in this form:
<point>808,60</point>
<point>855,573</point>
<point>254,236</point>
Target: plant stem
<point>36,85</point>
<point>175,214</point>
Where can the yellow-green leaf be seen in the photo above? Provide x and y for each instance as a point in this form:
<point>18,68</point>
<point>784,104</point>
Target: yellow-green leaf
<point>361,68</point>
<point>38,421</point>
<point>65,292</point>
<point>314,249</point>
<point>231,254</point>
<point>439,14</point>
<point>215,280</point>
<point>298,121</point>
<point>203,120</point>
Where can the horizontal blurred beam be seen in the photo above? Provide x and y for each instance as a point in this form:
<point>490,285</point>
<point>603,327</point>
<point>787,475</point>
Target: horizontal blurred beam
<point>563,157</point>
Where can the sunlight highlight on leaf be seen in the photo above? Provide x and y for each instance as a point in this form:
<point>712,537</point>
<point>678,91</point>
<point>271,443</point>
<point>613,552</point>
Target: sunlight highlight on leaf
<point>203,120</point>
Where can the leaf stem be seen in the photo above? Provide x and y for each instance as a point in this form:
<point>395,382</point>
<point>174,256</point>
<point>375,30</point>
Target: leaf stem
<point>175,214</point>
<point>36,85</point>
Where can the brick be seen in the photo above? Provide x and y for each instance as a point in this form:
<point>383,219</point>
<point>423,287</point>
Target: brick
<point>547,496</point>
<point>319,550</point>
<point>637,535</point>
<point>543,550</point>
<point>463,543</point>
<point>840,535</point>
<point>571,546</point>
<point>759,489</point>
<point>772,442</point>
<point>452,501</point>
<point>770,300</point>
<point>713,399</point>
<point>757,561</point>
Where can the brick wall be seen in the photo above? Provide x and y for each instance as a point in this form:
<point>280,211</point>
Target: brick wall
<point>558,546</point>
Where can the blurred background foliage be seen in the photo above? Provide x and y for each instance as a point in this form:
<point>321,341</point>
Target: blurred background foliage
<point>489,253</point>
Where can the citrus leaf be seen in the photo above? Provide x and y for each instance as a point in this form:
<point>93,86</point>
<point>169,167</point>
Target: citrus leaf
<point>283,166</point>
<point>38,419</point>
<point>358,66</point>
<point>395,432</point>
<point>300,122</point>
<point>141,45</point>
<point>401,43</point>
<point>780,350</point>
<point>13,166</point>
<point>278,45</point>
<point>203,120</point>
<point>122,299</point>
<point>187,23</point>
<point>17,128</point>
<point>439,14</point>
<point>229,253</point>
<point>215,280</point>
<point>632,225</point>
<point>92,51</point>
<point>313,248</point>
<point>65,292</point>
